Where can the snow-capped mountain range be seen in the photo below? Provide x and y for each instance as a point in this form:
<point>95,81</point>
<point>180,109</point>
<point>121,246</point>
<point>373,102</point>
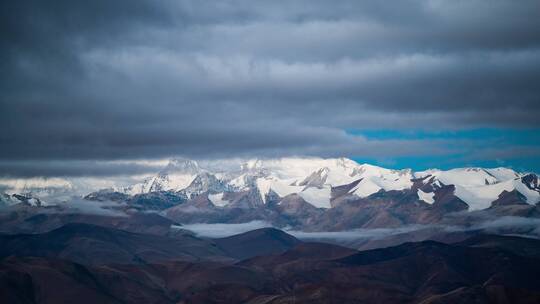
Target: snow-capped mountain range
<point>313,179</point>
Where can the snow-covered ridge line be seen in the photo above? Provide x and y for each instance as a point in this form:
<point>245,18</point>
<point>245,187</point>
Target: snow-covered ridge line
<point>311,178</point>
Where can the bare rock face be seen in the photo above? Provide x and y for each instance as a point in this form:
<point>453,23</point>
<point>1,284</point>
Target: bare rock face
<point>316,179</point>
<point>531,181</point>
<point>294,204</point>
<point>341,194</point>
<point>294,211</point>
<point>196,206</point>
<point>28,199</point>
<point>446,201</point>
<point>509,198</point>
<point>513,203</point>
<point>247,199</point>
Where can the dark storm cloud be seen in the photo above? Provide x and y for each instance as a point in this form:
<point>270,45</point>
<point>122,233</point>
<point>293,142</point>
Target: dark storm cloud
<point>25,169</point>
<point>106,80</point>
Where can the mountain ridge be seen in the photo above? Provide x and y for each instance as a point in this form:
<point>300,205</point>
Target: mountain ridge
<point>316,180</point>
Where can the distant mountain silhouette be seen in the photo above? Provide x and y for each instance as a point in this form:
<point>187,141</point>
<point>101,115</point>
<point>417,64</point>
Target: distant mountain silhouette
<point>262,241</point>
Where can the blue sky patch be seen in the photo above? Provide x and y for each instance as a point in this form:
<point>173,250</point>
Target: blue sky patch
<point>483,147</point>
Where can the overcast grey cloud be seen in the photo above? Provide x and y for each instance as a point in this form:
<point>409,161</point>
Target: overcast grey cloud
<point>108,80</point>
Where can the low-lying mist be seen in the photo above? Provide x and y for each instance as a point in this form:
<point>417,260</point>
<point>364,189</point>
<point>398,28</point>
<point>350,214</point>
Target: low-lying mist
<point>223,230</point>
<point>507,225</point>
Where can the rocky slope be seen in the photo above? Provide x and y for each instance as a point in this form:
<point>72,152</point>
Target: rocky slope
<point>482,269</point>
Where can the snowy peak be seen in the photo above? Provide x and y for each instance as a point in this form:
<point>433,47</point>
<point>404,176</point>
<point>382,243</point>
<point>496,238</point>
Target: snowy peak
<point>178,174</point>
<point>470,177</point>
<point>365,170</point>
<point>38,189</point>
<point>345,162</point>
<point>38,184</point>
<point>205,182</point>
<point>479,187</point>
<point>502,174</point>
<point>182,166</point>
<point>374,179</point>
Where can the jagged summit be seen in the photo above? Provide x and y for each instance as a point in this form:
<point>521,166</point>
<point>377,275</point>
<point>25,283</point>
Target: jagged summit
<point>314,179</point>
<point>182,165</point>
<point>251,165</point>
<point>318,181</point>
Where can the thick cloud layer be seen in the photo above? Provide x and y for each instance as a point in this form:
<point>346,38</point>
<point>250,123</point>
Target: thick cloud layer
<point>150,79</point>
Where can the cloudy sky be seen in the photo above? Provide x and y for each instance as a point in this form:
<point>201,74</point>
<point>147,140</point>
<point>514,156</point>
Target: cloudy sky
<point>87,86</point>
